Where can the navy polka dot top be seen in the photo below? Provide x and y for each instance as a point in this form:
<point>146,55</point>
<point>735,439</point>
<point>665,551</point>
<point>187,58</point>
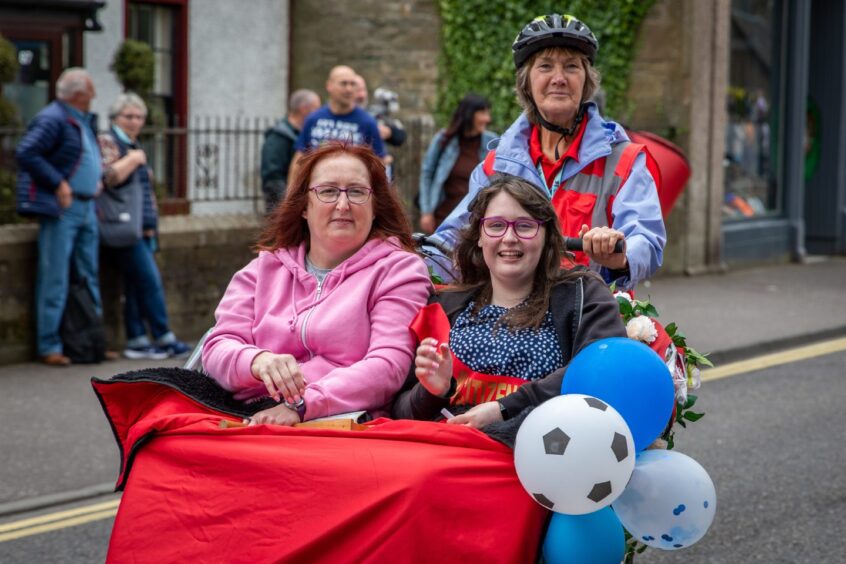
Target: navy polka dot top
<point>523,353</point>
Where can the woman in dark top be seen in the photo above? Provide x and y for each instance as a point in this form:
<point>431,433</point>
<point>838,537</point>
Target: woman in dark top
<point>452,155</point>
<point>501,340</point>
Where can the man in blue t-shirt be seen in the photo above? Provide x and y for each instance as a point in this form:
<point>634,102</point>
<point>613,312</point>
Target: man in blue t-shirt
<point>339,120</point>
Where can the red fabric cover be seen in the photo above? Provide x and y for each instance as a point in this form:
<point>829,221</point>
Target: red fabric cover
<point>401,491</point>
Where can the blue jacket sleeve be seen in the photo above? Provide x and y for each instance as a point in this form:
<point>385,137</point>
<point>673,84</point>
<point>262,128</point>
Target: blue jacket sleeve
<point>636,212</point>
<point>32,149</point>
<point>428,198</point>
<point>447,232</point>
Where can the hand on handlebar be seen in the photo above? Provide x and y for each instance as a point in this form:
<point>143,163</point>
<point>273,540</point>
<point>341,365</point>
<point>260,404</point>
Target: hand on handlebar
<point>604,246</point>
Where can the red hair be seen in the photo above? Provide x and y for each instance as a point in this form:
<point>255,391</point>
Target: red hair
<point>287,227</point>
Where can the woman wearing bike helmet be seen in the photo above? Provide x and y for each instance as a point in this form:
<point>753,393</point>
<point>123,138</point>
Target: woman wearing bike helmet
<point>602,187</point>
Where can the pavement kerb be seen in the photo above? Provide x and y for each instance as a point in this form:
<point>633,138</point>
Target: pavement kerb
<point>775,345</point>
<point>50,500</point>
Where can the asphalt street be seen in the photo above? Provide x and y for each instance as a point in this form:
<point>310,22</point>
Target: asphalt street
<point>771,441</point>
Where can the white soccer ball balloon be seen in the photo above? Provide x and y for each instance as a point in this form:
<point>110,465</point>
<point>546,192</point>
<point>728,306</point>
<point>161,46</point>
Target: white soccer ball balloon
<point>574,454</point>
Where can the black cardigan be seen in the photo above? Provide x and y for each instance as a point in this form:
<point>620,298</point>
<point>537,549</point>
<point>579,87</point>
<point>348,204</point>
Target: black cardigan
<point>583,311</point>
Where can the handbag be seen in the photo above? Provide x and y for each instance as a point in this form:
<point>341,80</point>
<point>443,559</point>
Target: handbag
<point>119,212</point>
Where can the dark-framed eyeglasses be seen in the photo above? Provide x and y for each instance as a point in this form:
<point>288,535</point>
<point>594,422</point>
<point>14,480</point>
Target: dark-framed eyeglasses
<point>329,194</point>
<point>524,227</point>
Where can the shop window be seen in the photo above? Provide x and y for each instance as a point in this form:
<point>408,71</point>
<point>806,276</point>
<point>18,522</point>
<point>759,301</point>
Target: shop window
<point>753,188</point>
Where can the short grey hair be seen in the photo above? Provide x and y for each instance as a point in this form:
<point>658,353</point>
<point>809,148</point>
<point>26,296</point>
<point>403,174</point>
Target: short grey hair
<point>524,89</point>
<point>124,100</point>
<point>300,98</point>
<point>72,81</point>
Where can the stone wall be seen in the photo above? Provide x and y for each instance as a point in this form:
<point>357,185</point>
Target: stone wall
<point>391,44</point>
<point>677,87</point>
<point>198,257</point>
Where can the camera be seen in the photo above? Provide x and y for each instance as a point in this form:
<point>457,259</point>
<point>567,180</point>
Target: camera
<point>385,103</point>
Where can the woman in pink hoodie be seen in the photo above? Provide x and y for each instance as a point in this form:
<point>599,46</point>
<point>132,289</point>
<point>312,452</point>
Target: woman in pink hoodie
<point>319,320</point>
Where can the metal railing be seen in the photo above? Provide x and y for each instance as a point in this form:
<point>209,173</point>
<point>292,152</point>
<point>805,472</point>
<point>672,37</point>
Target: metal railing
<point>214,163</point>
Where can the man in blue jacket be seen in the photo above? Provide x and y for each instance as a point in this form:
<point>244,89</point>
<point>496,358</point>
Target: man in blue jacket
<point>59,174</point>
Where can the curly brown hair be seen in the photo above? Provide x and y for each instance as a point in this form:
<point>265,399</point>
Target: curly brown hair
<point>475,274</point>
<point>286,227</point>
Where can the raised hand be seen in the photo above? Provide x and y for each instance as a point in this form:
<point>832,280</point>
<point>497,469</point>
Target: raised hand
<point>433,366</point>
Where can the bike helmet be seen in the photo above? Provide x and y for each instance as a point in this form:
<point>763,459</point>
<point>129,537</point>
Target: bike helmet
<point>554,30</point>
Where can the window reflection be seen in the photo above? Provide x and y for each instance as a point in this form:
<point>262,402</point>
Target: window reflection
<point>752,187</point>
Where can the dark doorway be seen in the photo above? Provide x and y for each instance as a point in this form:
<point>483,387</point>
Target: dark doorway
<point>825,137</point>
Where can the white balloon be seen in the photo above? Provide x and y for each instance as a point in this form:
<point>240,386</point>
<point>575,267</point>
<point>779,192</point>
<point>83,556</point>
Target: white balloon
<point>670,501</point>
<point>574,454</point>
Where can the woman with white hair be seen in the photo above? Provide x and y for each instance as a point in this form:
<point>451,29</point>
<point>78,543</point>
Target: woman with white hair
<point>128,180</point>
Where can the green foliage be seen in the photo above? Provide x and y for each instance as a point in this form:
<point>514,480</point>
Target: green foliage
<point>7,198</point>
<point>8,113</point>
<point>476,49</point>
<point>134,65</point>
<point>8,61</point>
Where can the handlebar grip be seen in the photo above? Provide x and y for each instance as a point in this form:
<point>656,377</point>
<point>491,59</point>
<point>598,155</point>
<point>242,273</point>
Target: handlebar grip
<point>575,244</point>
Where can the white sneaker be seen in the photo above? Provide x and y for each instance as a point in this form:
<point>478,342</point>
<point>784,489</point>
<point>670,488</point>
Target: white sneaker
<point>146,352</point>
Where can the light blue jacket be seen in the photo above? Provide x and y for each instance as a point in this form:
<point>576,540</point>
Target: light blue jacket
<point>636,210</point>
<point>438,163</point>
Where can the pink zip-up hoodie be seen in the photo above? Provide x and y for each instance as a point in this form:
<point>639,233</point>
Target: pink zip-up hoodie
<point>350,337</point>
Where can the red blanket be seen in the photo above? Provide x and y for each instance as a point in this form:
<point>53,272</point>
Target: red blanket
<point>400,491</point>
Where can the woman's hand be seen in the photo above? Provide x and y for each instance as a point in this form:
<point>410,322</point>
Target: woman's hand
<point>598,244</point>
<point>277,415</point>
<point>479,416</point>
<point>433,366</point>
<point>138,156</point>
<point>427,223</point>
<point>281,375</point>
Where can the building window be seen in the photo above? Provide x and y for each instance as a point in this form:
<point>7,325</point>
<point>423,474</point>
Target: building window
<point>155,25</point>
<point>753,189</point>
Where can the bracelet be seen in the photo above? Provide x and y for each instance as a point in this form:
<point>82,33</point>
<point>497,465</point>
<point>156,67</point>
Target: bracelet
<point>299,407</point>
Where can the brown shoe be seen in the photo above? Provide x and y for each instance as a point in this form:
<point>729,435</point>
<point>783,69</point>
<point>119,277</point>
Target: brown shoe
<point>110,355</point>
<point>56,359</point>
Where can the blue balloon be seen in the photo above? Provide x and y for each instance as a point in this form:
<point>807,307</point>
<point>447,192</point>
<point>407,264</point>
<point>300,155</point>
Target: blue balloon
<point>594,538</point>
<point>629,376</point>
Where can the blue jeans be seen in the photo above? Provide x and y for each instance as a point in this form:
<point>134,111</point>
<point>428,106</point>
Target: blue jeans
<point>73,234</point>
<point>143,291</point>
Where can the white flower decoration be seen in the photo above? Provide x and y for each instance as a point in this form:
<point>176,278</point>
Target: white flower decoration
<point>641,328</point>
<point>625,295</point>
<point>694,379</point>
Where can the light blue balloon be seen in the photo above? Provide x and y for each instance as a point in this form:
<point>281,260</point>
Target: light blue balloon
<point>630,377</point>
<point>669,502</point>
<point>594,538</point>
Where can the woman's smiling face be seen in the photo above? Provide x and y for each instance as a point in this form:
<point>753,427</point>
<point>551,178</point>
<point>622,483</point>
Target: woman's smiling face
<point>511,260</point>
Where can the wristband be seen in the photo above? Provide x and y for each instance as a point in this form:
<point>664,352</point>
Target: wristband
<point>453,384</point>
<point>503,411</point>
